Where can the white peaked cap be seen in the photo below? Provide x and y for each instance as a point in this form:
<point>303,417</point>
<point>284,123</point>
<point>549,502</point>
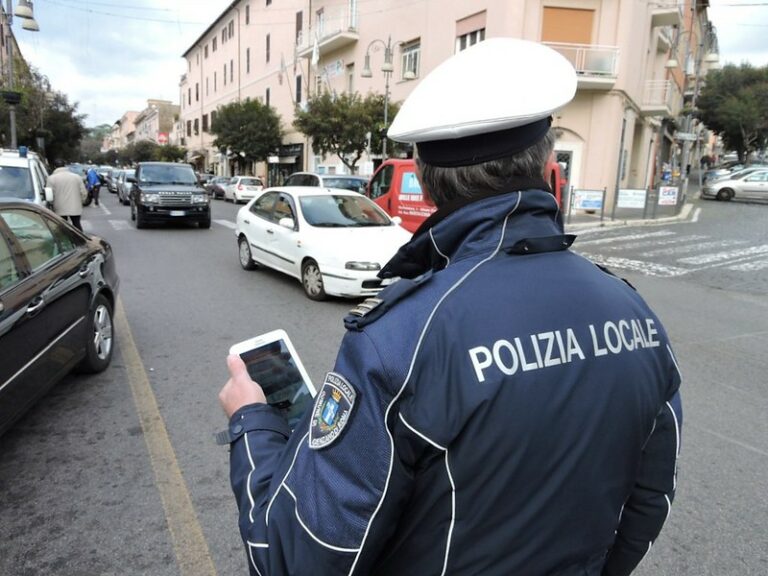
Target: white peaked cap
<point>495,86</point>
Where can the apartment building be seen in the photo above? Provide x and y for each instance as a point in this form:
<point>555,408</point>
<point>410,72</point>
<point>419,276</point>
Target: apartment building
<point>622,124</point>
<point>122,132</point>
<point>156,121</point>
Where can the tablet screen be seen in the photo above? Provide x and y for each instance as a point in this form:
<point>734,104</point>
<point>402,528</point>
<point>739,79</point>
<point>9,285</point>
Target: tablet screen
<point>273,367</point>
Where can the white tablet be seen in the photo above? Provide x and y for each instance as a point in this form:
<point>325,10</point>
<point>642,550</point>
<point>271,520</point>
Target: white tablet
<point>274,364</point>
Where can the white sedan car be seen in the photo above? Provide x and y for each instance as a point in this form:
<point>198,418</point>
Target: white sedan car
<point>334,241</point>
<point>243,188</point>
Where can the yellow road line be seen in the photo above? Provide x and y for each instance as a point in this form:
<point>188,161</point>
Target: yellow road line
<point>189,544</point>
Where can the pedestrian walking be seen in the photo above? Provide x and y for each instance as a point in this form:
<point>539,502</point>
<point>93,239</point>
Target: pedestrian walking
<point>93,181</point>
<point>69,193</point>
<point>506,406</point>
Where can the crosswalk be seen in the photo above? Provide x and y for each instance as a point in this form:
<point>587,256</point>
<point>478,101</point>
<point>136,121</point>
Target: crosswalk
<point>667,253</point>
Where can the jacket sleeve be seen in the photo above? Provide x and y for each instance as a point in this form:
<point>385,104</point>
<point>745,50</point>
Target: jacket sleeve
<point>650,501</point>
<point>309,509</point>
<point>83,191</point>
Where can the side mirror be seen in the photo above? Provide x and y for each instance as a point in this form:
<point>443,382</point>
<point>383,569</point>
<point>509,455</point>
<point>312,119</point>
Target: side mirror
<point>131,179</point>
<point>48,194</point>
<point>287,223</point>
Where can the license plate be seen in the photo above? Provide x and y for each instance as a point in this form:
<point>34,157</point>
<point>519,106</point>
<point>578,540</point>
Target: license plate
<point>178,213</point>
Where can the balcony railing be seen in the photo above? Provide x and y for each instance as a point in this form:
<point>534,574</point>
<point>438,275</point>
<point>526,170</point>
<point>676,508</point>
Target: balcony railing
<point>661,98</point>
<point>669,14</point>
<point>334,30</point>
<point>596,66</point>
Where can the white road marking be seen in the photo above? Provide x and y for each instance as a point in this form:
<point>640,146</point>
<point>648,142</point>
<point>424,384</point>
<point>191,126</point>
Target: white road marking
<point>626,238</point>
<point>226,223</point>
<point>752,266</point>
<point>656,242</point>
<point>722,256</point>
<point>105,209</point>
<point>120,224</point>
<point>696,214</point>
<point>694,247</point>
<point>647,268</point>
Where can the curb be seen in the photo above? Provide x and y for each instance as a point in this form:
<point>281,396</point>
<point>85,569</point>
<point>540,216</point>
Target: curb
<point>682,216</point>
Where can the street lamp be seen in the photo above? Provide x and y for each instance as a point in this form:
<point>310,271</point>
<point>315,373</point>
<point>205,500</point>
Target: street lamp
<point>25,11</point>
<point>387,67</point>
<point>708,48</point>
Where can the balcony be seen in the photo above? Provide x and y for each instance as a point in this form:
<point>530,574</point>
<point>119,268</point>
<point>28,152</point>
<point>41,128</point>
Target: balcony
<point>334,30</point>
<point>596,66</point>
<point>667,15</point>
<point>660,98</point>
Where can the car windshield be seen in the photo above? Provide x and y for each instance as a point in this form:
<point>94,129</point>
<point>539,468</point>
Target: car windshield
<point>354,184</point>
<point>129,174</point>
<point>341,211</point>
<point>167,174</point>
<point>16,182</point>
<point>250,182</point>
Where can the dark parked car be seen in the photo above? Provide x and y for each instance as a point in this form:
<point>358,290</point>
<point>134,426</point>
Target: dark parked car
<point>57,296</point>
<point>168,191</point>
<point>216,186</point>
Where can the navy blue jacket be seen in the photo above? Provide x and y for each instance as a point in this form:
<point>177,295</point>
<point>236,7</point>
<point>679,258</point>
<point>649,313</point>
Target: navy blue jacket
<point>507,407</point>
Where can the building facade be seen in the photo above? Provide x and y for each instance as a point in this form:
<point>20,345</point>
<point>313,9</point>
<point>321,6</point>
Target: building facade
<point>619,130</point>
<point>155,122</point>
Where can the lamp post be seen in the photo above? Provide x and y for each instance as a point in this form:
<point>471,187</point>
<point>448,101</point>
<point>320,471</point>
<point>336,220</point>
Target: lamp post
<point>387,68</point>
<point>708,44</point>
<point>24,10</point>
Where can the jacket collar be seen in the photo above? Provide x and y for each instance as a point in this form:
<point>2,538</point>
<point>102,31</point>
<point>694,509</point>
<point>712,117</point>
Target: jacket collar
<point>509,221</point>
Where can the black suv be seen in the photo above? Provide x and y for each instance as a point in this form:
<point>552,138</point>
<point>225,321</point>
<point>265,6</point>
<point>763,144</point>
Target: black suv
<point>166,191</point>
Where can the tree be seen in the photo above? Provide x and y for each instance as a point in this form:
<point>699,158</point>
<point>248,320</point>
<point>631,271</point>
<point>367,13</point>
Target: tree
<point>170,153</point>
<point>249,129</point>
<point>734,104</point>
<point>341,124</point>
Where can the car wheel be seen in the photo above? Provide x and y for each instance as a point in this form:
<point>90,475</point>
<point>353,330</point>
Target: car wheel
<point>88,200</point>
<point>205,223</point>
<point>133,210</point>
<point>725,194</point>
<point>140,221</point>
<point>100,338</point>
<point>244,253</point>
<point>312,280</point>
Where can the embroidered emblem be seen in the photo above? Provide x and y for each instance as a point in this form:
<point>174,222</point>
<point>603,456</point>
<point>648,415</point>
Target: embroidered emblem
<point>332,410</point>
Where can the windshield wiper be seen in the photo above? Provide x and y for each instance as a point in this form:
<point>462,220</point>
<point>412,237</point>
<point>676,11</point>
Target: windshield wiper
<point>330,225</point>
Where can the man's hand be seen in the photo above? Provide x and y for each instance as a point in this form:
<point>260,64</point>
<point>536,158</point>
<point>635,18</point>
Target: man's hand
<point>239,389</point>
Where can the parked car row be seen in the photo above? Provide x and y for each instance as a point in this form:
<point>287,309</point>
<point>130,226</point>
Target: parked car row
<point>748,183</point>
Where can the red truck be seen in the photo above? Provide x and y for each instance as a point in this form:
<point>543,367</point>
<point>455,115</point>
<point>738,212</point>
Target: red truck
<point>395,187</point>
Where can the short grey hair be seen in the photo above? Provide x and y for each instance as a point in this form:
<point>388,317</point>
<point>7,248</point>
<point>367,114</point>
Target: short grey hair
<point>445,184</point>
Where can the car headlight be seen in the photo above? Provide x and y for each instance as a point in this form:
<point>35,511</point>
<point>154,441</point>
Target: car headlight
<point>362,266</point>
<point>199,199</point>
<point>150,198</point>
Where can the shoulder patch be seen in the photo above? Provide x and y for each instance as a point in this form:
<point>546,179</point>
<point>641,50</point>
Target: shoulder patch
<point>332,411</point>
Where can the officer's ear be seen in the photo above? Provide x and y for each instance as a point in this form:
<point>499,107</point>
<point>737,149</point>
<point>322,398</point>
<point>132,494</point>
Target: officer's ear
<point>424,190</point>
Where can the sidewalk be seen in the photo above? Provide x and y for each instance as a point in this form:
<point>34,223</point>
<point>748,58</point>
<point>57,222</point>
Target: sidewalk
<point>652,213</point>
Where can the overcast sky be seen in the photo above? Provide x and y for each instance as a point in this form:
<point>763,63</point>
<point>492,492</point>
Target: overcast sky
<point>111,55</point>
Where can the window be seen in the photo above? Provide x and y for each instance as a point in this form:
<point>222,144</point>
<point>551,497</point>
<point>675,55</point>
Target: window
<point>214,81</point>
<point>247,60</point>
<point>189,127</point>
<point>225,74</point>
<point>470,39</point>
<point>267,47</point>
<point>247,14</point>
<point>269,2</point>
<point>196,126</point>
<point>266,97</point>
<point>189,96</point>
<point>213,119</point>
<point>411,55</point>
<point>197,92</point>
<point>205,122</point>
<point>567,25</point>
<point>298,89</point>
<point>213,44</point>
<point>205,51</point>
<point>8,271</point>
<point>206,86</point>
<point>16,182</point>
<point>351,78</point>
<point>231,70</point>
<point>470,31</point>
<point>381,183</point>
<point>34,236</point>
<point>264,205</point>
<point>231,28</point>
<point>224,35</point>
<point>299,26</point>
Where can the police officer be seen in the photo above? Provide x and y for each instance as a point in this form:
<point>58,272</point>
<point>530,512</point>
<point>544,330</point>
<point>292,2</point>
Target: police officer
<point>506,406</point>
